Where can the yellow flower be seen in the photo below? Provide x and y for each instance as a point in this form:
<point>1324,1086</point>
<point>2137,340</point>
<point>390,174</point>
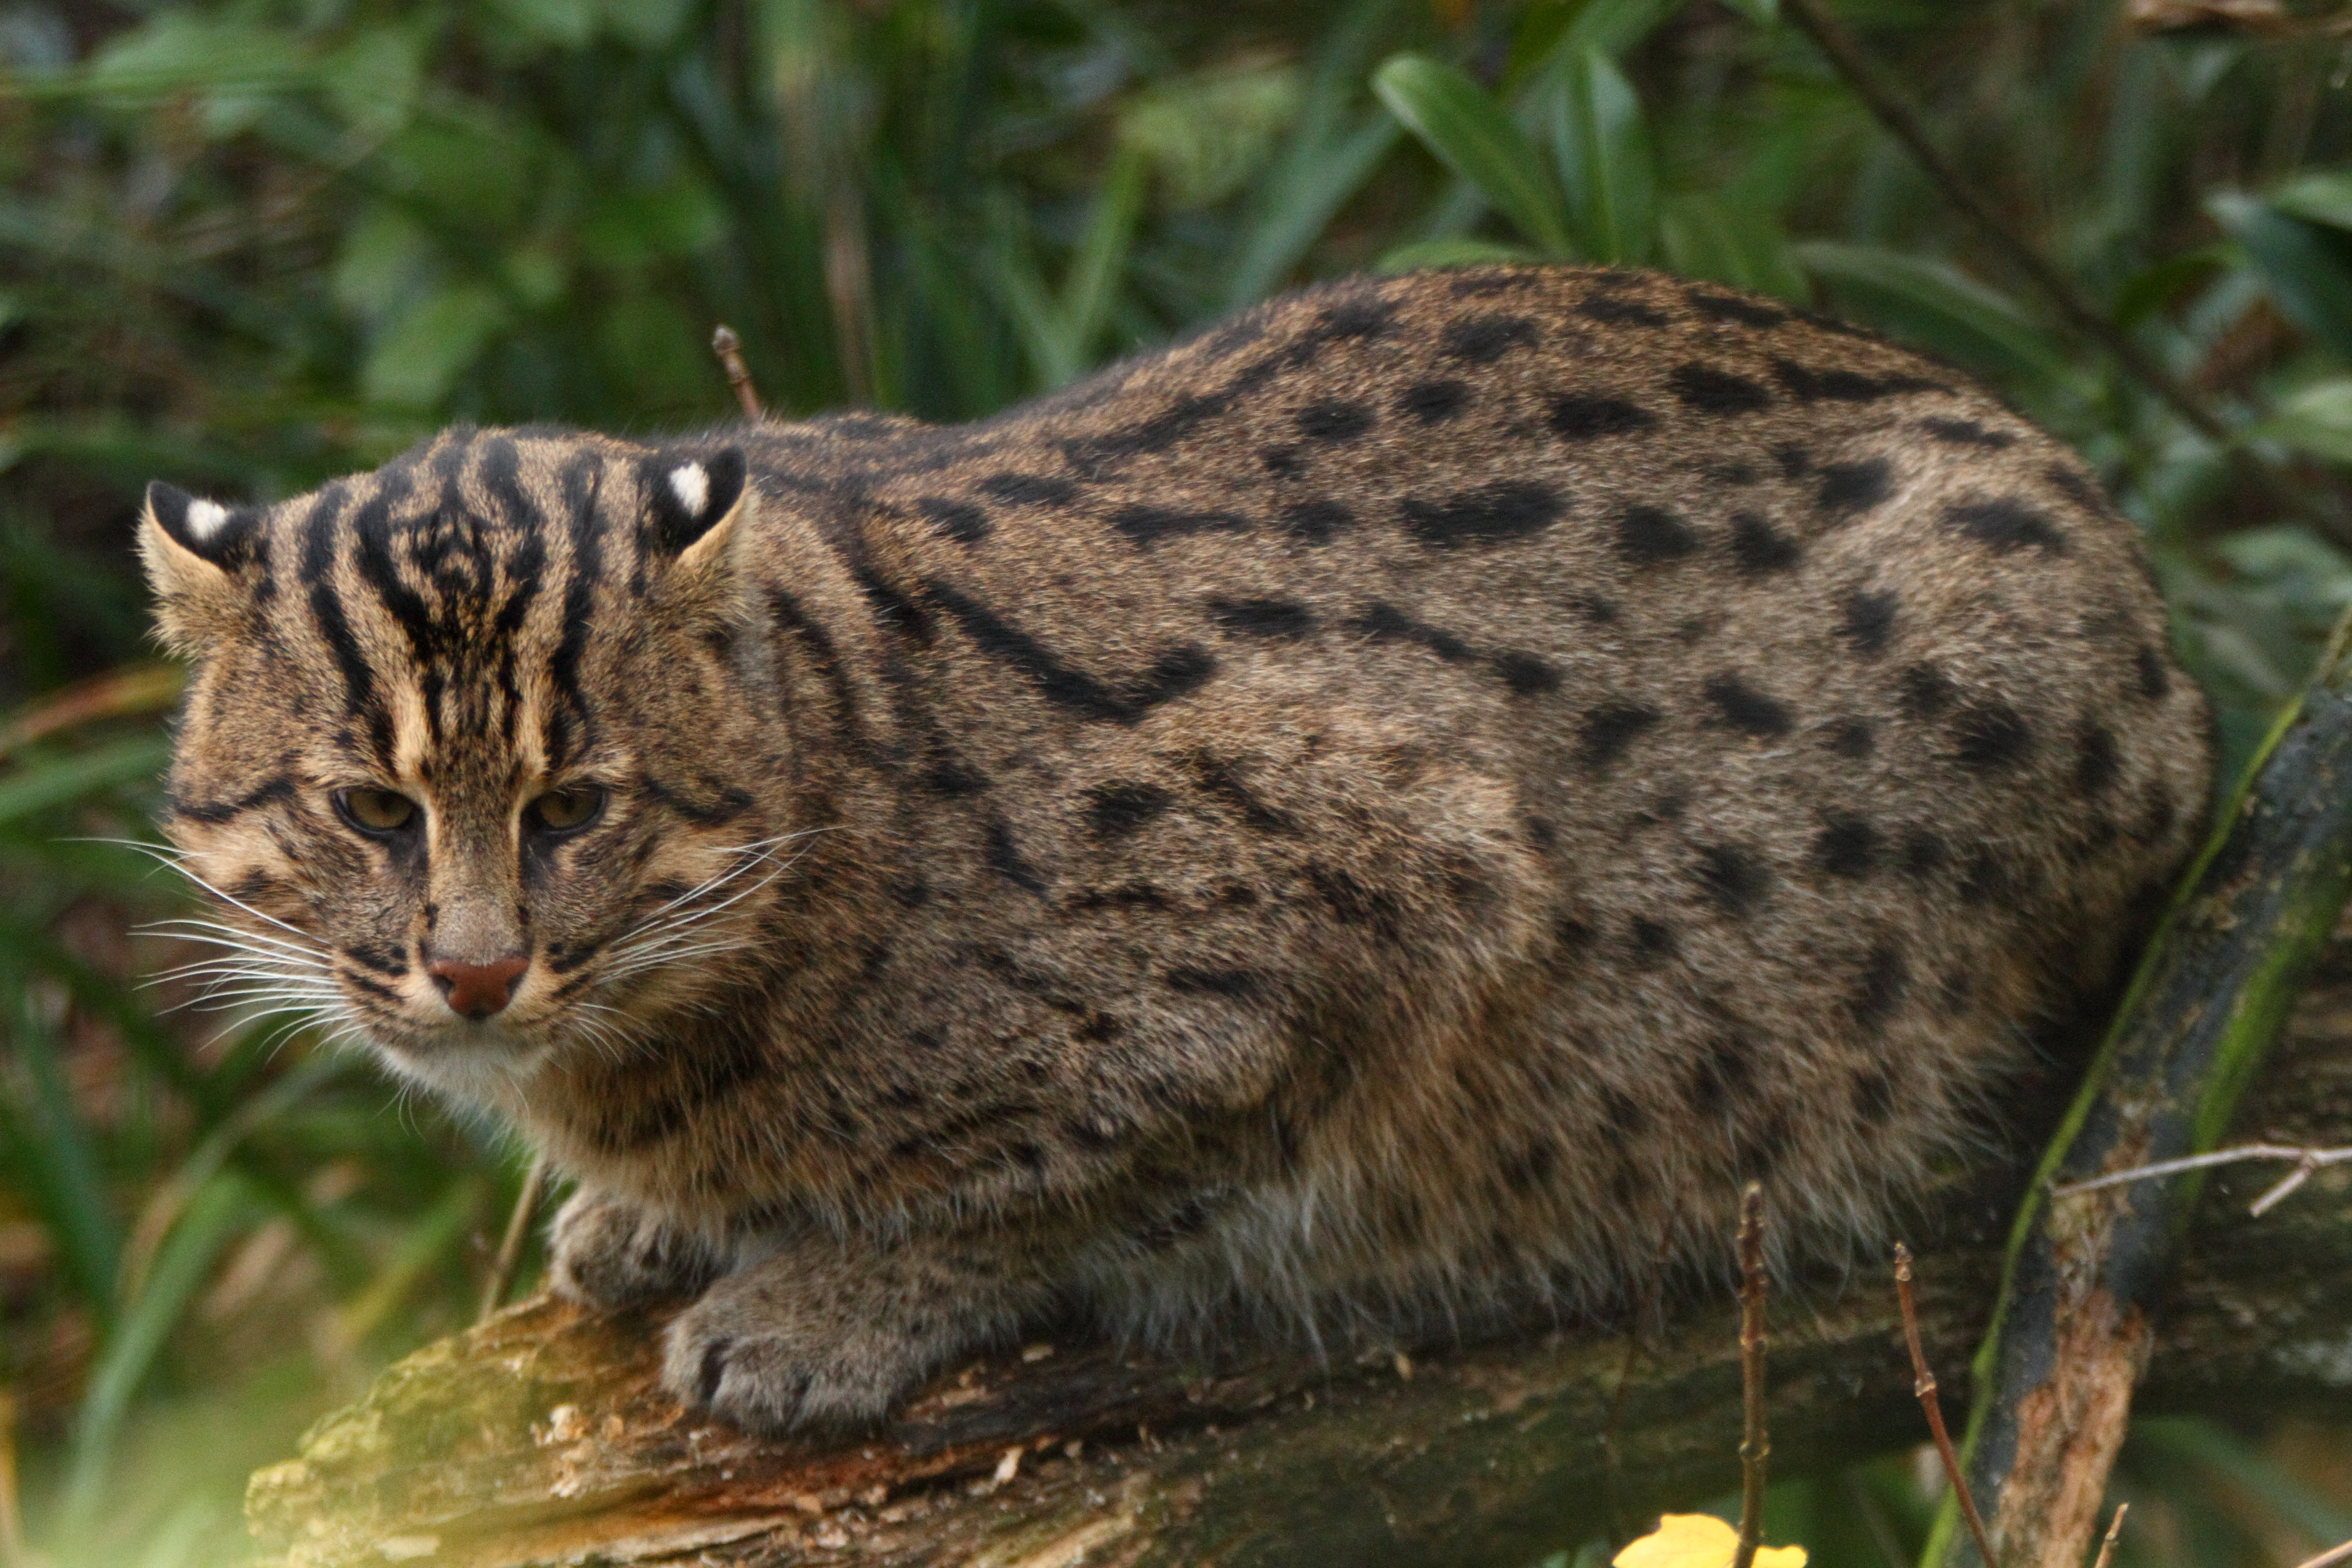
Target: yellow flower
<point>1700,1540</point>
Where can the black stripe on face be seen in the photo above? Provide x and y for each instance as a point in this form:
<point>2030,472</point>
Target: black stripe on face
<point>567,727</point>
<point>725,805</point>
<point>215,812</point>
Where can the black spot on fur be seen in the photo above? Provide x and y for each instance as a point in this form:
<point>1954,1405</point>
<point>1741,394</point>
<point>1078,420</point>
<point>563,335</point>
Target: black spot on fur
<point>2095,762</point>
<point>1987,878</point>
<point>2149,675</point>
<point>1709,390</point>
<point>1604,733</point>
<point>1796,460</point>
<point>1282,462</point>
<point>1867,621</point>
<point>1263,617</point>
<point>1849,736</point>
<point>1600,611</point>
<point>1654,942</point>
<point>1731,308</point>
<point>1743,707</point>
<point>1332,420</point>
<point>1115,810</point>
<point>1005,858</point>
<point>1848,846</point>
<point>1315,521</point>
<point>1200,982</point>
<point>1148,525</point>
<point>1647,535</point>
<point>1807,384</point>
<point>957,519</point>
<point>1850,489</point>
<point>1386,623</point>
<point>1029,489</point>
<point>1483,339</point>
<point>1990,735</point>
<point>1433,402</point>
<point>1509,509</point>
<point>949,775</point>
<point>2076,487</point>
<point>1758,549</point>
<point>1221,779</point>
<point>1967,433</point>
<point>1618,311</point>
<point>1886,976</point>
<point>1924,853</point>
<point>1732,878</point>
<point>1925,692</point>
<point>2006,526</point>
<point>1578,418</point>
<point>1526,674</point>
<point>2157,813</point>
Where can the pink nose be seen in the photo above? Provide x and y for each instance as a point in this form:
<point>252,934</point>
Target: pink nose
<point>477,990</point>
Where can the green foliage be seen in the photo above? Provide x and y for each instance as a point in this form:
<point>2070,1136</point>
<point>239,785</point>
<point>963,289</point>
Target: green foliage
<point>247,244</point>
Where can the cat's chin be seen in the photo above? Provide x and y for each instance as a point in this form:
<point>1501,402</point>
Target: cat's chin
<point>487,1064</point>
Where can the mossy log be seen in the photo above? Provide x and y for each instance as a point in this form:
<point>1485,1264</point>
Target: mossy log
<point>542,1438</point>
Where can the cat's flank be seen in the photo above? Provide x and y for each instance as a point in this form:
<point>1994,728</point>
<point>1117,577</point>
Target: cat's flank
<point>1378,817</point>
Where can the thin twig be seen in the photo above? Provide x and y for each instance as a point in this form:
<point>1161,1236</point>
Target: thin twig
<point>730,350</point>
<point>1755,1443</point>
<point>1923,1385</point>
<point>2114,1534</point>
<point>2306,1161</point>
<point>12,1527</point>
<point>502,1269</point>
<point>2330,1558</point>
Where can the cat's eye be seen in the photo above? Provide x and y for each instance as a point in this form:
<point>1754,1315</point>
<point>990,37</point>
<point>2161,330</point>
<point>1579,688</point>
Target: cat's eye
<point>562,810</point>
<point>375,811</point>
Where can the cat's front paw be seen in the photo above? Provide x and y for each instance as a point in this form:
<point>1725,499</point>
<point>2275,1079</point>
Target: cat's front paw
<point>608,1253</point>
<point>809,1338</point>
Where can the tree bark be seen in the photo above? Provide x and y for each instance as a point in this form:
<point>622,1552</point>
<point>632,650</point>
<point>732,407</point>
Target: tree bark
<point>542,1438</point>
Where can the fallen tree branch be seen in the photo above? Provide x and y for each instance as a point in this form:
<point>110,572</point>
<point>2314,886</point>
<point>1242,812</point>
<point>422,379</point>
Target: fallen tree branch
<point>2075,1323</point>
<point>543,1438</point>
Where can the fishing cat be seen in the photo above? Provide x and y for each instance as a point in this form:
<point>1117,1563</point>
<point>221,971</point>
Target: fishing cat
<point>1376,816</point>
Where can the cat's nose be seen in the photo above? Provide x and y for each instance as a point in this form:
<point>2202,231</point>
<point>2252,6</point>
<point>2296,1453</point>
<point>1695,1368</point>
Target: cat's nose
<point>478,990</point>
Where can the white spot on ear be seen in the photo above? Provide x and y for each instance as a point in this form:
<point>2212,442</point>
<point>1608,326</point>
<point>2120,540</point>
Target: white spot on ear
<point>204,519</point>
<point>693,487</point>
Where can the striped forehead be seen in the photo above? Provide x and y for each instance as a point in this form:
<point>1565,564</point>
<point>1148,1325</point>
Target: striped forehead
<point>452,592</point>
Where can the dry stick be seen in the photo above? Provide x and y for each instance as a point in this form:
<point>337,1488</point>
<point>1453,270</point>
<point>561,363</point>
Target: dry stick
<point>2114,1534</point>
<point>1923,1385</point>
<point>12,1529</point>
<point>1881,97</point>
<point>1755,1444</point>
<point>730,350</point>
<point>2306,1161</point>
<point>502,1270</point>
<point>2330,1558</point>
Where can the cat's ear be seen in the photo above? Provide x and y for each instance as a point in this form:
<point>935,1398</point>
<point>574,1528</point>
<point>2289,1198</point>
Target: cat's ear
<point>192,549</point>
<point>697,503</point>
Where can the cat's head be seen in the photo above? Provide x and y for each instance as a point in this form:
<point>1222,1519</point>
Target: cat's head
<point>469,758</point>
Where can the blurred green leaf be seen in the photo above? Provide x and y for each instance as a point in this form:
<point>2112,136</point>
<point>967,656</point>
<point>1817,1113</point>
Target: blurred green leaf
<point>1935,306</point>
<point>1702,234</point>
<point>1456,251</point>
<point>1601,145</point>
<point>632,228</point>
<point>2307,266</point>
<point>2316,418</point>
<point>128,1353</point>
<point>1471,136</point>
<point>1208,133</point>
<point>420,354</point>
<point>2322,196</point>
<point>37,787</point>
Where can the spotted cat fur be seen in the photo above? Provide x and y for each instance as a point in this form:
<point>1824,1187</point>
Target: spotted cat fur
<point>1380,816</point>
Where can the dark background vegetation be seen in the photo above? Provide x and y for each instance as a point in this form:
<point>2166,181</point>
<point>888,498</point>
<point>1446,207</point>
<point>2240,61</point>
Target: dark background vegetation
<point>250,244</point>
